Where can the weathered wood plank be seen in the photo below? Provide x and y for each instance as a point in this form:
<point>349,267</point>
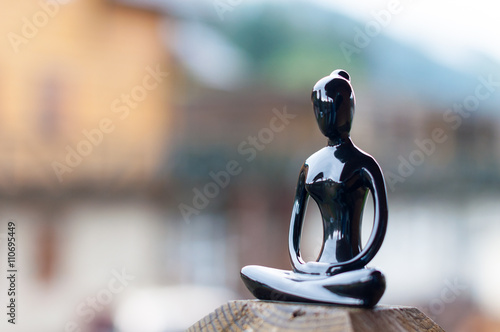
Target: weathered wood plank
<point>255,315</point>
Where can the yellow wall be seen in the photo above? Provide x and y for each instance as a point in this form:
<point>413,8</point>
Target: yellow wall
<point>62,76</point>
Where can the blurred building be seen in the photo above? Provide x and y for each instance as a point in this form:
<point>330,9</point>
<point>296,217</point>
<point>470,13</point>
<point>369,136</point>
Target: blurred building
<point>85,114</point>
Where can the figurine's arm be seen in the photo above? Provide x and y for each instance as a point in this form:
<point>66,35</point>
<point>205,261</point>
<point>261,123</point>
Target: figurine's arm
<point>297,220</point>
<point>374,180</point>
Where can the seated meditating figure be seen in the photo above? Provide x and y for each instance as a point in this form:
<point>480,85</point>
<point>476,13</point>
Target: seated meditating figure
<point>338,178</point>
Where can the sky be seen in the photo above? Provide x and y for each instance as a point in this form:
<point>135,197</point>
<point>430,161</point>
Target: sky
<point>448,31</point>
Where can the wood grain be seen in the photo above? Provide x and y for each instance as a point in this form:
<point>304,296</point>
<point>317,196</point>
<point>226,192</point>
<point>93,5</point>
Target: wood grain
<point>255,315</point>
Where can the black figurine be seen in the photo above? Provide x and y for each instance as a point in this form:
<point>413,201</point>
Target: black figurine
<point>338,177</point>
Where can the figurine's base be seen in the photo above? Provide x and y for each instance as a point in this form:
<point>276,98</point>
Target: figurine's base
<point>362,288</point>
<point>256,315</point>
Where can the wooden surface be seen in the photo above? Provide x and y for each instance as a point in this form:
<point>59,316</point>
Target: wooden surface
<point>255,315</point>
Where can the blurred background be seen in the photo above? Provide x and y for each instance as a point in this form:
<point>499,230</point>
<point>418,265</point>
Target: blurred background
<point>150,149</point>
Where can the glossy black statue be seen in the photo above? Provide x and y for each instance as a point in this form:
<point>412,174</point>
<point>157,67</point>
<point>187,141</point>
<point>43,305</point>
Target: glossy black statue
<point>338,178</point>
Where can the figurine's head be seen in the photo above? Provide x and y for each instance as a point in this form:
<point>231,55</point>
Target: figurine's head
<point>333,100</point>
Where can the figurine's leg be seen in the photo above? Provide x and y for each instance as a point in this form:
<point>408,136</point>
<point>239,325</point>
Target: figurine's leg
<point>366,284</point>
<point>362,287</point>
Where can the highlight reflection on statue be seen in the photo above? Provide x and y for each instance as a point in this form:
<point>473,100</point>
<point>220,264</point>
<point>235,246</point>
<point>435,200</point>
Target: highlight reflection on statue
<point>338,178</point>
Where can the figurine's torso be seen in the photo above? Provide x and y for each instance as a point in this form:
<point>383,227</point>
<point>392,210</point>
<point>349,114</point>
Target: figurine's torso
<point>333,180</point>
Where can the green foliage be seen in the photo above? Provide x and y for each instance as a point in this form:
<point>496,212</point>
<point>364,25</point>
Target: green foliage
<point>290,46</point>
